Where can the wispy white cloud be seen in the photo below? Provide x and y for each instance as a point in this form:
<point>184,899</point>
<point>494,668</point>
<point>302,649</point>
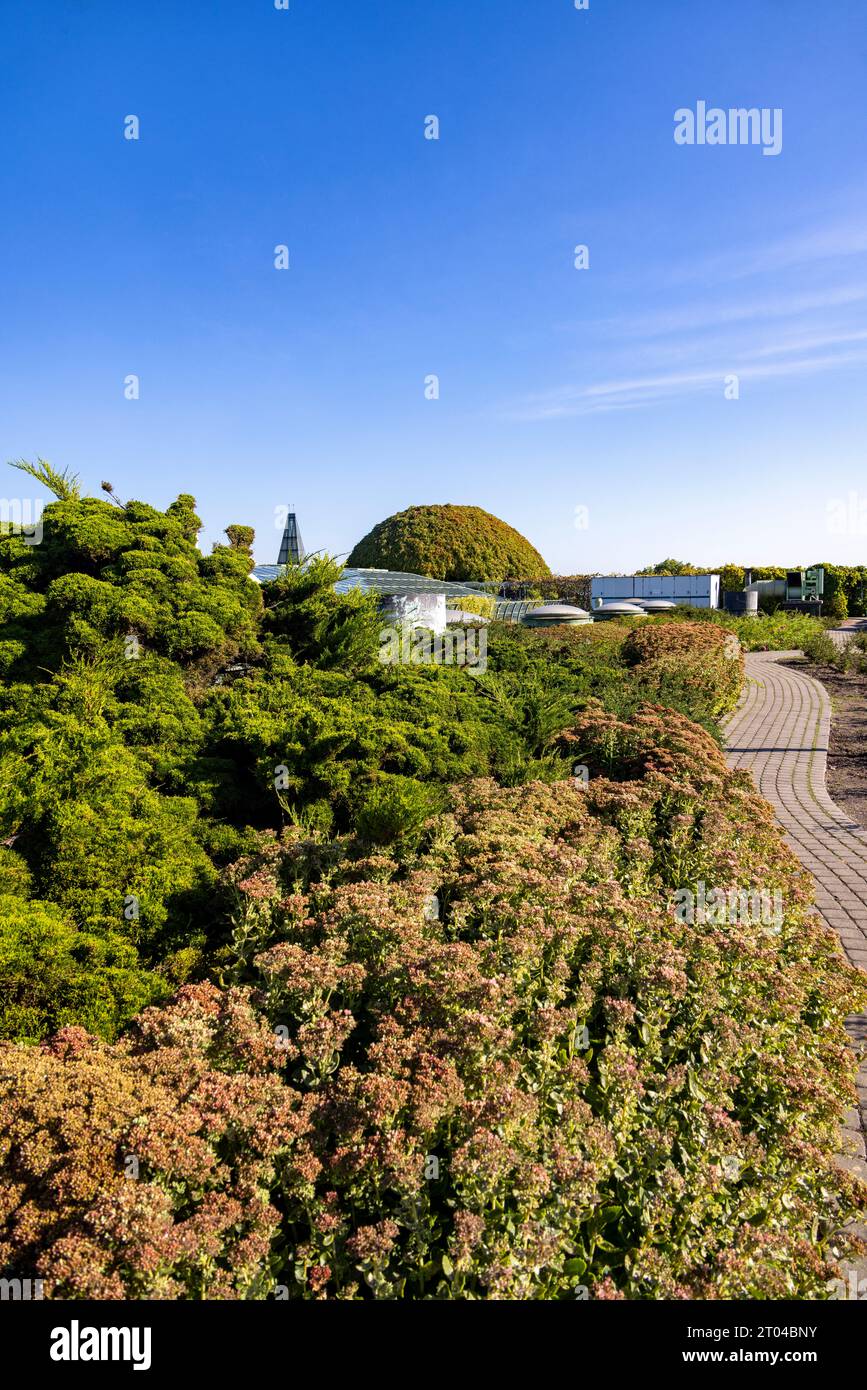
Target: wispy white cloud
<point>807,343</point>
<point>686,346</point>
<point>674,320</point>
<point>827,241</point>
<point>630,393</point>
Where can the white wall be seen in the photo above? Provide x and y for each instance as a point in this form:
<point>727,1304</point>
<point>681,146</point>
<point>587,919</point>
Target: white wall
<point>415,610</point>
<point>698,590</point>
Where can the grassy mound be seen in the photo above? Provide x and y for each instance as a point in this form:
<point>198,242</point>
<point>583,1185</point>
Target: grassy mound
<point>447,542</point>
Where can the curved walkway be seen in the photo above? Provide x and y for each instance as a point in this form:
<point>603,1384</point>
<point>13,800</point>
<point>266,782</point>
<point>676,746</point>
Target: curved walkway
<point>779,732</point>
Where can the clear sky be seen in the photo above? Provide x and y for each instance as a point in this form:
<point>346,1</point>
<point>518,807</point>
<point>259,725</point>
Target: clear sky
<point>560,388</point>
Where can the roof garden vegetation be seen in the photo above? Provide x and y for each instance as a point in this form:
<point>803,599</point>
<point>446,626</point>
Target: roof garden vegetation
<point>386,1001</point>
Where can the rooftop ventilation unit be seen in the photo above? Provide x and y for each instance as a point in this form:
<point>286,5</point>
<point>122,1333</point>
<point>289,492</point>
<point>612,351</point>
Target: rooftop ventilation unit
<point>555,615</point>
<point>613,609</point>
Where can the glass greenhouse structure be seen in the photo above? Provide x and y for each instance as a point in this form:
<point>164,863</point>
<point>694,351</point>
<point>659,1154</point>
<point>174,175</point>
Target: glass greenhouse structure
<point>389,582</point>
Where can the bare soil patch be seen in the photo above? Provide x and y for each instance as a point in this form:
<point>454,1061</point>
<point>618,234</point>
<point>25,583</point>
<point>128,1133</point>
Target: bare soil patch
<point>847,753</point>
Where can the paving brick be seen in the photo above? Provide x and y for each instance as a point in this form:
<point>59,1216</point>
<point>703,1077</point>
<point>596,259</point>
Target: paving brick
<point>780,733</point>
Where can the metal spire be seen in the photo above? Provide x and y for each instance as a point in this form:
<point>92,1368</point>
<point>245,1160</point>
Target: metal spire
<point>291,546</point>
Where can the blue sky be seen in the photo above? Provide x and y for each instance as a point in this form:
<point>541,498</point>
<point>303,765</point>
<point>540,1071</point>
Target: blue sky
<point>559,388</point>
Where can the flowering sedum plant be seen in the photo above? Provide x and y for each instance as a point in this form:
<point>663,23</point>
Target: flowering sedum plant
<point>143,1169</point>
<point>701,662</point>
<point>499,1066</point>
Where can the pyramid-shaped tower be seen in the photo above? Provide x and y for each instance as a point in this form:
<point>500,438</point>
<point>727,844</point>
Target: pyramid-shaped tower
<point>291,546</point>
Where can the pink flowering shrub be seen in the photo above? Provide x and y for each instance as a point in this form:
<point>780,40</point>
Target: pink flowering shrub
<point>143,1170</point>
<point>499,1068</point>
<point>701,661</point>
<point>549,1080</point>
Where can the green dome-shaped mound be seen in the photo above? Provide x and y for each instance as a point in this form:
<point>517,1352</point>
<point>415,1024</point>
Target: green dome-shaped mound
<point>457,543</point>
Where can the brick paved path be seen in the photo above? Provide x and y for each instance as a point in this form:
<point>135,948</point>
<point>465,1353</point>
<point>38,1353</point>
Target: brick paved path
<point>780,733</point>
<point>848,628</point>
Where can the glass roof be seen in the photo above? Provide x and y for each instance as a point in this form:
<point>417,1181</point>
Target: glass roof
<point>387,582</point>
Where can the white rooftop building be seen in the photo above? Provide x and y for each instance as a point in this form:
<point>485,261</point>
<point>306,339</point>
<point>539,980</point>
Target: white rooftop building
<point>694,590</point>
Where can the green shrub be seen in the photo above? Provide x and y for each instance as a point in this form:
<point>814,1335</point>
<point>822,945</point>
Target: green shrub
<point>698,658</point>
<point>448,542</point>
<point>96,835</point>
<point>851,655</point>
<point>305,613</point>
<point>821,649</point>
<point>52,975</point>
<point>510,1067</point>
<point>835,606</point>
<point>103,572</point>
<point>438,1012</point>
<point>472,603</point>
<point>783,630</point>
<point>410,971</point>
<point>396,809</point>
